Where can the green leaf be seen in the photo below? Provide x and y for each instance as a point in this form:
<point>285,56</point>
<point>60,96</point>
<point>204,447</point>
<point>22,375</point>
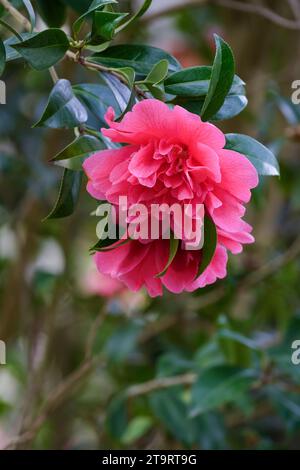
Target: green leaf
<point>136,429</point>
<point>169,408</point>
<point>117,417</point>
<point>63,110</point>
<point>218,386</point>
<point>73,155</point>
<point>104,25</point>
<point>221,79</point>
<point>95,5</point>
<point>54,13</point>
<point>210,244</point>
<point>31,13</point>
<point>153,81</point>
<point>80,6</point>
<point>259,155</point>
<point>81,147</point>
<point>44,49</point>
<point>191,86</point>
<point>194,81</point>
<point>139,57</point>
<point>2,57</point>
<point>239,338</point>
<point>108,244</point>
<point>158,73</point>
<point>12,54</point>
<point>125,96</point>
<point>89,93</point>
<point>233,105</point>
<point>174,245</point>
<point>146,5</point>
<point>68,195</point>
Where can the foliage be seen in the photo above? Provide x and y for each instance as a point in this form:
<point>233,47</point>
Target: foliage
<point>209,370</point>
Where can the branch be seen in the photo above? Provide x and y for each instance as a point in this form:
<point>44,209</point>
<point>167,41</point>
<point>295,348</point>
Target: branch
<point>232,4</point>
<point>57,397</point>
<point>22,20</point>
<point>295,7</point>
<point>261,11</point>
<point>273,265</point>
<point>160,384</point>
<point>172,10</point>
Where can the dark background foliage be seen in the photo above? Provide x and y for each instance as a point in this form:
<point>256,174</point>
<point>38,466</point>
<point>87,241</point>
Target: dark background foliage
<point>208,370</point>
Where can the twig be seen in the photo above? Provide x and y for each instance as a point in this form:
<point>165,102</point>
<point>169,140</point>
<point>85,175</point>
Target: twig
<point>295,7</point>
<point>233,4</point>
<point>93,334</point>
<point>56,398</point>
<point>22,20</point>
<point>53,74</point>
<point>261,11</point>
<point>160,384</point>
<point>171,10</point>
<point>273,265</point>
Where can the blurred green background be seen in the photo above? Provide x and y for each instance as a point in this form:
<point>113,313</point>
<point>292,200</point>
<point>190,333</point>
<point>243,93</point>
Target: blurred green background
<point>91,365</point>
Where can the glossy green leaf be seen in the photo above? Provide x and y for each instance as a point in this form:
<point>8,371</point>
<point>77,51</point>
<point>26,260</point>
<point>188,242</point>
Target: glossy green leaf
<point>146,5</point>
<point>12,54</point>
<point>108,244</point>
<point>63,110</point>
<point>233,105</point>
<point>259,155</point>
<point>44,49</point>
<point>68,195</point>
<point>80,6</point>
<point>194,81</point>
<point>73,155</point>
<point>104,25</point>
<point>210,244</point>
<point>89,94</point>
<point>158,73</point>
<point>218,386</point>
<point>31,12</point>
<point>95,5</point>
<point>221,79</point>
<point>125,96</point>
<point>2,57</point>
<point>83,146</point>
<point>139,57</point>
<point>173,248</point>
<point>54,13</point>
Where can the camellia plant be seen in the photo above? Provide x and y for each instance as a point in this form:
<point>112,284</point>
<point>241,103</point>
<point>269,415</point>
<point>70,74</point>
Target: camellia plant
<point>145,128</point>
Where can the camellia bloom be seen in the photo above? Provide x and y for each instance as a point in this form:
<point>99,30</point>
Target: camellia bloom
<point>171,157</point>
<point>96,283</point>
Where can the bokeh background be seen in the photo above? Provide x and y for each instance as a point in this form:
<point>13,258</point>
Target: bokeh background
<point>91,365</point>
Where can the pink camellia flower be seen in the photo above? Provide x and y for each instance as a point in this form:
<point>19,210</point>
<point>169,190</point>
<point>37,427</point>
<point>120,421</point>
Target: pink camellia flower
<point>97,283</point>
<point>171,157</point>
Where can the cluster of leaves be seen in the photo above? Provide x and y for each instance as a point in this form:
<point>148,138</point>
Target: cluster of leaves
<point>232,372</point>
